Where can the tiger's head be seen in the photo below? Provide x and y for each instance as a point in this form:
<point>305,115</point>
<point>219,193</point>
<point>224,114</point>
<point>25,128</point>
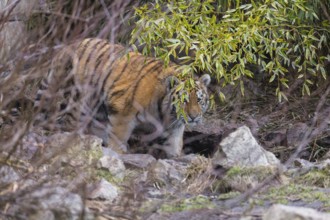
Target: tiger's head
<point>196,103</point>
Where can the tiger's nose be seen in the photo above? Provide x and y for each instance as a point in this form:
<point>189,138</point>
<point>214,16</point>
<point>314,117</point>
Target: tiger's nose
<point>193,117</point>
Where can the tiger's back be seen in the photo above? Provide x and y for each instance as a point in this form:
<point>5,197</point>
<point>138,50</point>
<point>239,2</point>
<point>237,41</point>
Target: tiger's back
<point>135,90</point>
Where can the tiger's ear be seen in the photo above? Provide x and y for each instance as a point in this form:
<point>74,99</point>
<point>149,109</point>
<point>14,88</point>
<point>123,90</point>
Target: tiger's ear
<point>205,79</point>
<point>171,82</point>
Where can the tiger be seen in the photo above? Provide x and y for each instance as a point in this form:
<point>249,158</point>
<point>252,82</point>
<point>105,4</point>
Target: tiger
<point>132,91</point>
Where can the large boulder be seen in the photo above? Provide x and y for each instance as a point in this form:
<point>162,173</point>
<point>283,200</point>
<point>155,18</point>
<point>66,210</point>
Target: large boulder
<point>49,202</point>
<point>13,32</point>
<point>240,148</point>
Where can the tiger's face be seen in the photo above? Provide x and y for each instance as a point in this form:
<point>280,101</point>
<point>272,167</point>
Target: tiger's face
<point>196,103</point>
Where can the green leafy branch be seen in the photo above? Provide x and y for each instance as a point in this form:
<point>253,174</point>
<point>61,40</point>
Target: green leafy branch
<point>281,37</point>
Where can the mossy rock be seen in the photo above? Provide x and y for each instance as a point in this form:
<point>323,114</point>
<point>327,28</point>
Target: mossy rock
<point>243,178</point>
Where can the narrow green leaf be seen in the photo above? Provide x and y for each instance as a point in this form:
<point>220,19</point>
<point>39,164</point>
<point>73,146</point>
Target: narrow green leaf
<point>300,76</point>
<point>222,97</point>
<point>242,86</point>
<point>306,89</point>
<point>323,72</point>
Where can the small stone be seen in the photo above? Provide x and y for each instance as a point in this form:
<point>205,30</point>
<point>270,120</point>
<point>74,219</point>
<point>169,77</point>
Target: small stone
<point>8,175</point>
<point>104,191</point>
<point>113,164</point>
<point>301,163</point>
<point>138,160</point>
<point>43,214</point>
<point>166,172</point>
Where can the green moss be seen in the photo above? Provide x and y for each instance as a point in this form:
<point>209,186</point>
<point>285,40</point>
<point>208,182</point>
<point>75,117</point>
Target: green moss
<point>228,195</point>
<point>319,178</point>
<point>258,202</point>
<point>104,174</point>
<point>95,154</point>
<point>197,202</point>
<point>90,155</point>
<point>259,172</point>
<point>293,192</point>
<point>241,178</point>
<point>234,171</point>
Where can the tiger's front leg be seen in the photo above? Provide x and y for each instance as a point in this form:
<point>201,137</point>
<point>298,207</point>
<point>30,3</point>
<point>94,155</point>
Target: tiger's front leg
<point>120,130</point>
<point>173,143</point>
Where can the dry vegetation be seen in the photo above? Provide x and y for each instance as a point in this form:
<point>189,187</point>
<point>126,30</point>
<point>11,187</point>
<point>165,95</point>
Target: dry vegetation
<point>24,127</point>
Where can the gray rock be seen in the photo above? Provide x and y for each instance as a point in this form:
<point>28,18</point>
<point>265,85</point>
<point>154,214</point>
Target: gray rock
<point>296,133</point>
<point>138,160</point>
<point>189,158</point>
<point>59,198</point>
<point>107,151</point>
<point>103,190</point>
<point>43,214</point>
<point>240,148</point>
<point>8,175</point>
<point>301,163</point>
<point>158,172</point>
<point>12,33</point>
<point>283,212</point>
<point>32,144</point>
<point>170,172</point>
<point>306,165</point>
<point>327,155</point>
<point>323,164</point>
<point>113,164</point>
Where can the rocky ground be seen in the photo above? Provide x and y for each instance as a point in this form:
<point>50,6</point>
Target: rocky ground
<point>248,160</point>
<point>71,176</point>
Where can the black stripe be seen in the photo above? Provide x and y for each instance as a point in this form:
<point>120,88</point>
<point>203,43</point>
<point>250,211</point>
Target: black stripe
<point>156,67</point>
<point>85,47</point>
<point>111,51</point>
<point>117,93</point>
<point>108,75</point>
<point>102,72</point>
<point>92,52</point>
<point>107,109</point>
<point>159,108</point>
<point>111,110</point>
<point>99,59</point>
<point>140,78</point>
<point>116,79</point>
